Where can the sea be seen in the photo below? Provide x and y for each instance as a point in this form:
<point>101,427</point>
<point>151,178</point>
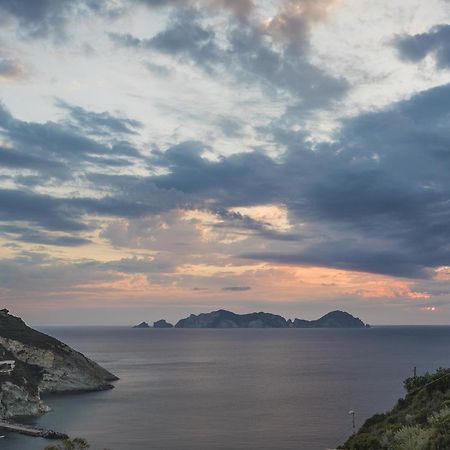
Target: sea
<point>236,389</point>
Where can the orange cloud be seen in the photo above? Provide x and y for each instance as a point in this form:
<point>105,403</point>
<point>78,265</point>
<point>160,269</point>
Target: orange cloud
<point>294,19</point>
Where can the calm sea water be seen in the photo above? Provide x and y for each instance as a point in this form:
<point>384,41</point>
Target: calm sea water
<point>275,389</point>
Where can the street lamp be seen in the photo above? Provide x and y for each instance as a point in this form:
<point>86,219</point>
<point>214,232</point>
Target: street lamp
<point>353,414</point>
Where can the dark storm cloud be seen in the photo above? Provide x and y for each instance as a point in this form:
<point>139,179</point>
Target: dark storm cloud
<point>39,18</point>
<point>50,18</point>
<point>238,180</point>
<point>184,37</point>
<point>248,55</point>
<point>48,212</point>
<point>30,235</point>
<point>49,137</point>
<point>240,7</point>
<point>60,149</point>
<point>252,57</point>
<point>187,38</point>
<point>99,123</point>
<point>375,200</point>
<point>68,214</point>
<point>245,225</point>
<point>358,259</point>
<point>416,47</point>
<point>22,160</point>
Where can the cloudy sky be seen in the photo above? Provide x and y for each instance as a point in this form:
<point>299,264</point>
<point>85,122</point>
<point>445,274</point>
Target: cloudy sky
<point>164,157</point>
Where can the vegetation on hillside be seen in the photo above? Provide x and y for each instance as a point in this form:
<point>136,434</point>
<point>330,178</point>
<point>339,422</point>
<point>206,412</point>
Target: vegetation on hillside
<point>420,421</point>
<point>71,444</point>
<point>12,327</point>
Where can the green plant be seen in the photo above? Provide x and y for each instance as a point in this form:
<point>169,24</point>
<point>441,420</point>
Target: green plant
<point>411,438</point>
<point>71,444</point>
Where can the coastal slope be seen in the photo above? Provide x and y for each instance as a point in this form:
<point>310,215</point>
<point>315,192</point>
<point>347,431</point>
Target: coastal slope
<point>419,421</point>
<point>32,363</point>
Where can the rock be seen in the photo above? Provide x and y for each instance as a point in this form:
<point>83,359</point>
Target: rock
<point>17,400</point>
<point>42,365</point>
<point>162,324</point>
<point>142,325</point>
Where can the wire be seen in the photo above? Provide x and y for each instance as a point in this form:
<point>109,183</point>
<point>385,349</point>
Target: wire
<point>428,384</point>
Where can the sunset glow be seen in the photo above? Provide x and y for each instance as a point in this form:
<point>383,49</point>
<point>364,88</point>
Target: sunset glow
<point>159,157</point>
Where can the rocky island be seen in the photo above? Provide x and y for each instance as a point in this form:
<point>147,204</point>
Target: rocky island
<point>33,363</point>
<point>142,325</point>
<point>162,324</point>
<point>334,319</point>
<point>228,319</point>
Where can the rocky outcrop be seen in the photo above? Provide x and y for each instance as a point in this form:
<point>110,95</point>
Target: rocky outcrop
<point>142,325</point>
<point>42,364</point>
<point>162,324</point>
<point>16,400</point>
<point>228,319</point>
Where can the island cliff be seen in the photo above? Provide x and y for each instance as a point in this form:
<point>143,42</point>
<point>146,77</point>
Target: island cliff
<point>228,319</point>
<point>32,363</point>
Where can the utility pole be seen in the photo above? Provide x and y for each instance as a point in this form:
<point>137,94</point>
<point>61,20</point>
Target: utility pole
<point>415,372</point>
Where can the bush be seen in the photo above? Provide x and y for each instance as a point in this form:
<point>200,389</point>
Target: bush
<point>363,441</point>
<point>411,438</point>
<point>71,444</point>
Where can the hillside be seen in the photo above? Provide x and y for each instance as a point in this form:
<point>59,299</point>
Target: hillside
<point>420,421</point>
<point>32,363</point>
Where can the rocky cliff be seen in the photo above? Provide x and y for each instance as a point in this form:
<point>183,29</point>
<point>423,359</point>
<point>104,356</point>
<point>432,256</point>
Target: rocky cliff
<point>228,319</point>
<point>40,364</point>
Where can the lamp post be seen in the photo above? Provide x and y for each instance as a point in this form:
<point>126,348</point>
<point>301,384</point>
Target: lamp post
<point>353,414</point>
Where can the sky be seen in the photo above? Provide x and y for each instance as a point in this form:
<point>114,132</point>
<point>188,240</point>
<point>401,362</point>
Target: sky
<point>166,157</point>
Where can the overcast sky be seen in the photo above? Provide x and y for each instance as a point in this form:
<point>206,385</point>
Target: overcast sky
<point>166,157</point>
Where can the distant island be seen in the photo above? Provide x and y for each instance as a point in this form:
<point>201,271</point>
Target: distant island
<point>142,325</point>
<point>162,324</point>
<point>228,319</point>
